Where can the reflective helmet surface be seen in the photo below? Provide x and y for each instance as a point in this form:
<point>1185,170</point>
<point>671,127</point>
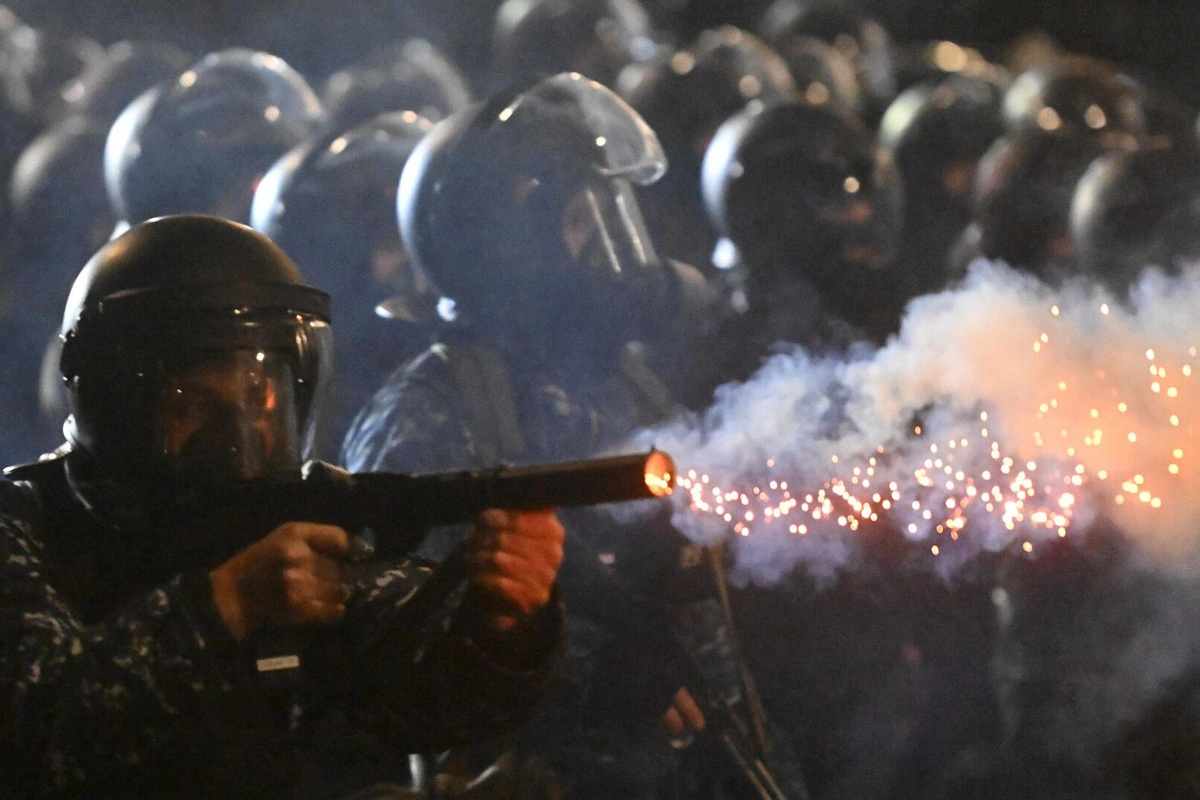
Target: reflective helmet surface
<point>801,192</point>
<point>408,76</point>
<point>522,208</point>
<point>689,94</point>
<point>1022,195</point>
<point>127,69</point>
<point>331,205</point>
<point>1132,210</point>
<point>594,37</point>
<point>1073,94</point>
<point>200,143</point>
<point>936,132</point>
<point>192,347</point>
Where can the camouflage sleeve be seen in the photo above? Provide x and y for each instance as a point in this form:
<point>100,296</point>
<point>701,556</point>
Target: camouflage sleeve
<point>412,424</point>
<point>425,675</point>
<point>82,702</point>
<point>418,672</point>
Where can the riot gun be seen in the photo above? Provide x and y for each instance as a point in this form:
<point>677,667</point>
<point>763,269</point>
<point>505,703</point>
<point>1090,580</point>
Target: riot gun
<point>399,509</point>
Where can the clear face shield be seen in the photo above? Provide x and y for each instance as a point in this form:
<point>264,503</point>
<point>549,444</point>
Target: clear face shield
<point>607,241</point>
<point>246,408</point>
<point>542,193</point>
<point>586,199</point>
<point>604,232</point>
<point>232,417</point>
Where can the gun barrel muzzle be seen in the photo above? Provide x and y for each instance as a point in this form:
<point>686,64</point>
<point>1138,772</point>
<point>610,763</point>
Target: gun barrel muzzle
<point>660,473</point>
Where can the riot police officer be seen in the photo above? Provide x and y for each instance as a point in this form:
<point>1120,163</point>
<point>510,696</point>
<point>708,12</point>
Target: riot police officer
<point>685,96</point>
<point>135,607</point>
<point>1022,195</point>
<point>331,205</point>
<point>1076,94</point>
<point>810,213</point>
<point>936,132</point>
<point>522,213</point>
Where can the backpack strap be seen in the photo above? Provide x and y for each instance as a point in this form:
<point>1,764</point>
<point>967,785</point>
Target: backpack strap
<point>488,401</point>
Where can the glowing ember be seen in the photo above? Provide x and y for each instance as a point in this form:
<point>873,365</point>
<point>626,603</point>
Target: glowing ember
<point>1094,434</point>
<point>941,495</point>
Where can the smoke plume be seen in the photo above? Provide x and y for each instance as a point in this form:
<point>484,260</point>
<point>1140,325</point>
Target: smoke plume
<point>1006,414</point>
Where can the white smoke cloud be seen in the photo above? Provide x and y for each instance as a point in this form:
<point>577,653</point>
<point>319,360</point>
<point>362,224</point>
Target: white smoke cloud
<point>1006,414</point>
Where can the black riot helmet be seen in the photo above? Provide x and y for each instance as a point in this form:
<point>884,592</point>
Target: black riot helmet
<point>821,72</point>
<point>685,97</point>
<point>936,132</point>
<point>597,38</point>
<point>1073,94</point>
<point>801,193</point>
<point>200,143</point>
<point>191,347</point>
<point>126,69</point>
<point>406,76</point>
<point>331,205</point>
<point>1132,210</point>
<point>522,211</point>
<point>60,214</point>
<point>1022,195</point>
<point>848,28</point>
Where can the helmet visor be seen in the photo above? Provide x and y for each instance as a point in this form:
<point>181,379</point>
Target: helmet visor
<point>230,417</point>
<point>622,144</point>
<point>603,230</point>
<point>238,398</point>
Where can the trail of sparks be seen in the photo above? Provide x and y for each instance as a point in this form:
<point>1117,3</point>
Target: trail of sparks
<point>941,494</point>
<point>1111,414</point>
<point>1086,438</point>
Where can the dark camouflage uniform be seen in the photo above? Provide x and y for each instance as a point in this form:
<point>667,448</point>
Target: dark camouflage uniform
<point>642,614</point>
<point>119,683</point>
